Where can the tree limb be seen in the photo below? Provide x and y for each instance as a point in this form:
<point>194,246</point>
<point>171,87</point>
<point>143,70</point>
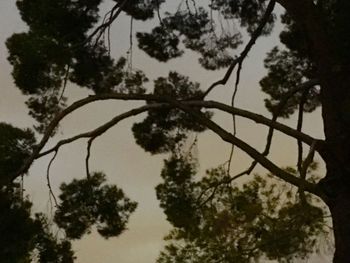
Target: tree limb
<point>102,129</point>
<point>249,150</point>
<point>160,99</point>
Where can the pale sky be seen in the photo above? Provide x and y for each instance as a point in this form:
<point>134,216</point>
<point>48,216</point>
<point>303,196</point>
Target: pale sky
<point>116,153</point>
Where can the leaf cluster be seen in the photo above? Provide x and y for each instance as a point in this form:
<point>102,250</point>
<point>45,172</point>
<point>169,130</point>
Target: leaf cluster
<point>89,202</point>
<point>163,129</point>
<point>198,32</point>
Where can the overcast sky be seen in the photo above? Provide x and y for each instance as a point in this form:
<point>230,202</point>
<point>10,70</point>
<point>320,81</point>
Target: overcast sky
<point>115,153</point>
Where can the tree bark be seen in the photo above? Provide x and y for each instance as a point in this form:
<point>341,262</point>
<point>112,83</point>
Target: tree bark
<point>340,211</point>
<point>335,98</point>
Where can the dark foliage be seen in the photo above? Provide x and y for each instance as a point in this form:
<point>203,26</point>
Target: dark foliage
<point>24,238</point>
<point>163,129</point>
<point>216,221</point>
<point>15,146</point>
<point>176,194</point>
<point>141,9</point>
<point>286,72</point>
<point>88,202</point>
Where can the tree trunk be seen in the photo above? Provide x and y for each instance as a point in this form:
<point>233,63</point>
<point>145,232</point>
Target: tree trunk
<point>340,211</point>
<point>335,97</point>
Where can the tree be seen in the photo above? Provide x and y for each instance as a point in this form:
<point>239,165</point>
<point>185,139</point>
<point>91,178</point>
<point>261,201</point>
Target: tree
<point>65,43</point>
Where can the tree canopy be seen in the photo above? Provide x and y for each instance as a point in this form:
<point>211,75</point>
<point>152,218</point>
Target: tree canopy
<point>215,220</point>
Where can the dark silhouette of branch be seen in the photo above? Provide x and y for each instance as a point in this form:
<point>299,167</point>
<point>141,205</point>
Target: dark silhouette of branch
<point>163,101</point>
<point>115,12</point>
<point>238,77</point>
<point>306,86</point>
<point>101,129</point>
<point>88,150</point>
<point>249,150</point>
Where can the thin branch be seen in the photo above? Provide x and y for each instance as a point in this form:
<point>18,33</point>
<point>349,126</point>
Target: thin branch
<point>243,55</point>
<point>238,77</point>
<point>130,51</point>
<point>299,128</point>
<point>210,196</point>
<point>100,29</point>
<point>48,178</point>
<point>64,83</point>
<point>158,13</point>
<point>300,143</point>
<point>207,104</point>
<point>103,128</point>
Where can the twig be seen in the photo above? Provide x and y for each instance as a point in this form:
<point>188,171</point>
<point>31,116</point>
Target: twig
<point>100,29</point>
<point>64,84</point>
<point>238,76</point>
<point>158,13</point>
<point>88,157</point>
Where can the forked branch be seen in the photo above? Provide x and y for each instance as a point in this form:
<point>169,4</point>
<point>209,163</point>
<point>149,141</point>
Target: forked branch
<point>249,150</point>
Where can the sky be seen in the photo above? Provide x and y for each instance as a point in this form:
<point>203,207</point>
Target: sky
<point>116,153</point>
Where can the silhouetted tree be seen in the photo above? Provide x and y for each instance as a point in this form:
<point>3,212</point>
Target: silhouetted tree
<point>64,42</point>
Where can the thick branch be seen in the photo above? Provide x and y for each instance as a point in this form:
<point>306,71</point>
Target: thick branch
<point>147,97</point>
<point>304,86</point>
<point>261,120</point>
<point>249,150</point>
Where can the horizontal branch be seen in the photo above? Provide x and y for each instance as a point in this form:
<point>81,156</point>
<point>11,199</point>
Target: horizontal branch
<point>161,100</point>
<point>226,136</point>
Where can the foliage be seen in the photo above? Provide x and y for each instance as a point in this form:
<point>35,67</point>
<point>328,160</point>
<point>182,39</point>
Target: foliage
<point>57,49</point>
<point>215,221</point>
<point>15,146</point>
<point>286,71</point>
<point>24,238</point>
<point>198,33</point>
<point>163,129</point>
<point>88,202</point>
